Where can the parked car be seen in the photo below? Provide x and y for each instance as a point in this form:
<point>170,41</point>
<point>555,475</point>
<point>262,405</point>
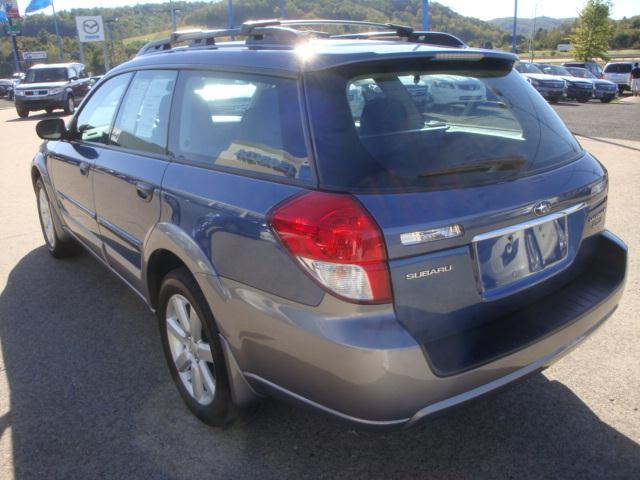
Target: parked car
<point>17,77</point>
<point>378,266</point>
<point>51,86</point>
<point>593,67</point>
<point>604,90</point>
<point>94,79</point>
<point>618,73</point>
<point>6,88</point>
<point>549,86</point>
<point>419,90</point>
<point>578,89</point>
<point>449,90</point>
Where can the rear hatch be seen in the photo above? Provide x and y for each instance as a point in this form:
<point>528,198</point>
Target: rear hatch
<point>484,204</point>
<point>617,72</point>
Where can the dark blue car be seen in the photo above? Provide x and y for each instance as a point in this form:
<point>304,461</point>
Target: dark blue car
<point>377,258</point>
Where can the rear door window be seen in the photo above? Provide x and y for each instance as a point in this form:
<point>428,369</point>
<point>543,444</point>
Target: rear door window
<point>419,125</point>
<point>241,122</point>
<point>143,119</point>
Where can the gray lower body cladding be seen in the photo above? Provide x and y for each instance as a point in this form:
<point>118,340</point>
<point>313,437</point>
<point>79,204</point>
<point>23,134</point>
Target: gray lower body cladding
<point>366,369</point>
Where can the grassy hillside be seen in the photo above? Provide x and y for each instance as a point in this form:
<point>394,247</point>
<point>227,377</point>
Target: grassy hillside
<point>525,25</point>
<point>132,26</point>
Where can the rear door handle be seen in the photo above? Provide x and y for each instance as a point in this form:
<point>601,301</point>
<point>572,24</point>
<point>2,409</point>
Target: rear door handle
<point>145,191</point>
<point>84,168</point>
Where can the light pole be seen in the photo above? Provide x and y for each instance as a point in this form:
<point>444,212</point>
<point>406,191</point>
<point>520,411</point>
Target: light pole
<point>515,28</point>
<point>425,15</point>
<point>282,13</point>
<point>110,24</point>
<point>173,15</point>
<point>230,13</point>
<point>55,24</point>
<point>533,33</point>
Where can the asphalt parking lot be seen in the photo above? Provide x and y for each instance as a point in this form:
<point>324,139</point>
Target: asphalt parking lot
<point>84,391</point>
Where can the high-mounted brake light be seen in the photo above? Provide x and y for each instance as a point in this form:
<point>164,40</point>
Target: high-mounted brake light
<point>337,242</point>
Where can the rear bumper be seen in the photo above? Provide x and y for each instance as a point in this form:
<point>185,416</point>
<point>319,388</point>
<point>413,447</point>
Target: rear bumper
<point>368,371</point>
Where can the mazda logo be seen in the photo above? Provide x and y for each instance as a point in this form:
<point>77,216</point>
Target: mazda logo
<point>542,208</point>
<point>90,26</point>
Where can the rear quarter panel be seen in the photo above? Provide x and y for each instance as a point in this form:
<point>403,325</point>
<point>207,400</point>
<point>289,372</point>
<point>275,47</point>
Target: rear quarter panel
<point>226,217</point>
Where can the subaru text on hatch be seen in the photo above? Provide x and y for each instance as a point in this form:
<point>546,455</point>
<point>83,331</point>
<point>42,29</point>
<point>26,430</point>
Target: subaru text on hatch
<point>375,259</point>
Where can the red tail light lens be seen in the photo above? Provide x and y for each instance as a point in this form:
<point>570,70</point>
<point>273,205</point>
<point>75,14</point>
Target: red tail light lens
<point>337,242</point>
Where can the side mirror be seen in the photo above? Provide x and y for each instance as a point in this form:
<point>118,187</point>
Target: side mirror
<point>73,79</point>
<point>51,129</point>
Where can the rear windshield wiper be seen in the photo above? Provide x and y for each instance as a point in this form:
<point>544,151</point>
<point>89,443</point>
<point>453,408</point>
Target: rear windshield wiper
<point>507,164</point>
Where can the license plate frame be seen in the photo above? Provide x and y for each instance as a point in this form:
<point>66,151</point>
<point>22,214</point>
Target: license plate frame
<point>536,247</point>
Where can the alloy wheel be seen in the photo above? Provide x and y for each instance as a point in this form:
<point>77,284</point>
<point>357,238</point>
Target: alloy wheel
<point>45,217</point>
<point>190,351</point>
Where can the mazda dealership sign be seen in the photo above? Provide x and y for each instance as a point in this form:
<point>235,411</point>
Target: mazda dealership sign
<point>90,29</point>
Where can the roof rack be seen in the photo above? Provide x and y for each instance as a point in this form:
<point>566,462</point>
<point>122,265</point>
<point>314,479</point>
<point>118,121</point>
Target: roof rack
<point>431,38</point>
<point>276,31</point>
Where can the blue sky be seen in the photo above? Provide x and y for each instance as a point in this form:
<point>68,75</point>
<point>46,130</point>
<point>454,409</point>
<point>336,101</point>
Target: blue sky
<point>484,9</point>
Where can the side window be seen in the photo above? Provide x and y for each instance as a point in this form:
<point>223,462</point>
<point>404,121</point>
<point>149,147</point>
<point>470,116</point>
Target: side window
<point>143,120</point>
<point>245,122</point>
<point>94,120</point>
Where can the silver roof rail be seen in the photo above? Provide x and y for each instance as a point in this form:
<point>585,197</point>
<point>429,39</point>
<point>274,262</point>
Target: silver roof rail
<point>431,38</point>
<point>265,31</point>
<point>198,37</point>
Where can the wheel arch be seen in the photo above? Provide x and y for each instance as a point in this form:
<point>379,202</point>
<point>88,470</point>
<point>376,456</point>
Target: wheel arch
<point>169,247</point>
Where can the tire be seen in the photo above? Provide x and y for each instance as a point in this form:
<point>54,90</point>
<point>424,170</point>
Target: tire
<point>582,100</point>
<point>620,90</point>
<point>58,247</point>
<point>606,99</point>
<point>69,106</point>
<point>554,100</point>
<point>48,110</point>
<point>22,112</point>
<point>187,346</point>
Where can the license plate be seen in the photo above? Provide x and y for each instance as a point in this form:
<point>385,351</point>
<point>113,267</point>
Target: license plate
<point>507,258</point>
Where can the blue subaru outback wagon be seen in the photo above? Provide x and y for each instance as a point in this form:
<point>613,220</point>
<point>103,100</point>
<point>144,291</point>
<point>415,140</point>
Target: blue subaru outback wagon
<point>379,225</point>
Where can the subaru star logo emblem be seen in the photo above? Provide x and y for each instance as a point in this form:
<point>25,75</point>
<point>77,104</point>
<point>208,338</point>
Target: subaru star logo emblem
<point>542,208</point>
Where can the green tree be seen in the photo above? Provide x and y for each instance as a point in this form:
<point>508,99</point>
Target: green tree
<point>593,31</point>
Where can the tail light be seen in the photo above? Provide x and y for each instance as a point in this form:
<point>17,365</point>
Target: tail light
<point>337,242</point>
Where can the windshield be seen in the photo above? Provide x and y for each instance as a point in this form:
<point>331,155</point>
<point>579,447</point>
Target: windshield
<point>415,125</point>
<point>581,73</point>
<point>527,68</point>
<point>45,75</point>
<point>555,70</point>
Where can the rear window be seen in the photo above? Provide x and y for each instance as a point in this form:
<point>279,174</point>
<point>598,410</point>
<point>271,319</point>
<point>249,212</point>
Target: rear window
<point>618,68</point>
<point>241,122</point>
<point>420,125</point>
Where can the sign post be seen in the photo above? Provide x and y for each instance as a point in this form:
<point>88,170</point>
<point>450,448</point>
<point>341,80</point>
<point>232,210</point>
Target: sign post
<point>11,11</point>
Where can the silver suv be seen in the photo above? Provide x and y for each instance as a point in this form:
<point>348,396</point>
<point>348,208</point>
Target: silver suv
<point>618,73</point>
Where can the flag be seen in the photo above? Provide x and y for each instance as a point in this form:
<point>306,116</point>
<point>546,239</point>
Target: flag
<point>3,15</point>
<point>36,5</point>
